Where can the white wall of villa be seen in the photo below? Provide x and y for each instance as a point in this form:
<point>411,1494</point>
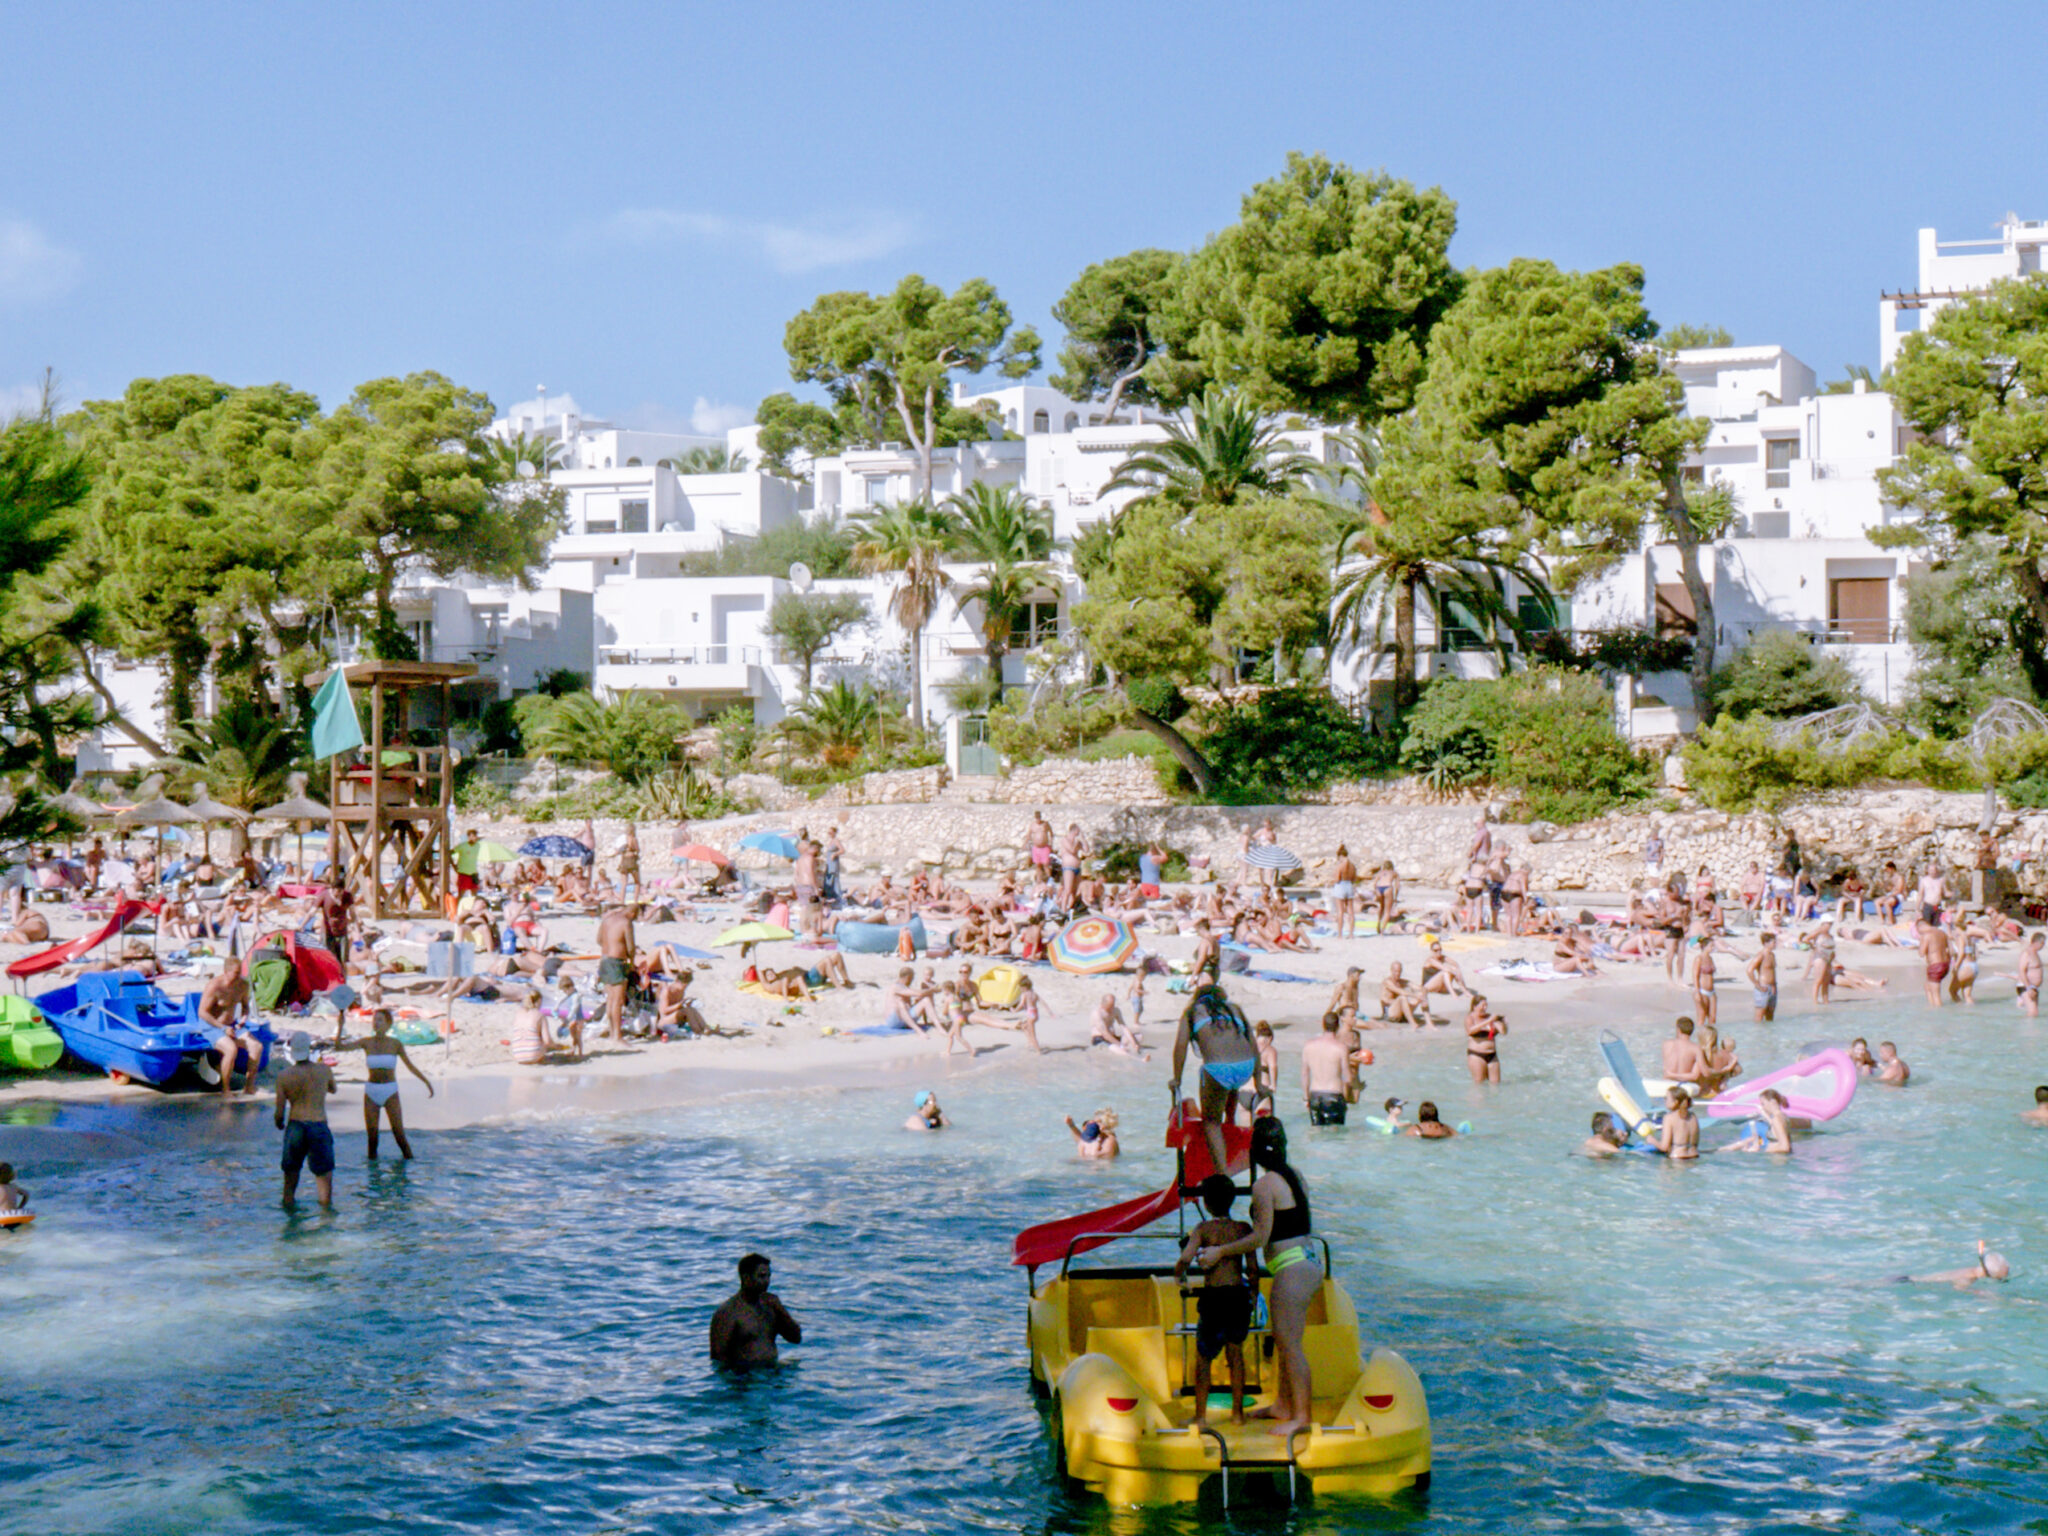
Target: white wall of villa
<point>1955,269</point>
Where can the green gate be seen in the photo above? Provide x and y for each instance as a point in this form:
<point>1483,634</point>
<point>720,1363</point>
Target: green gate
<point>977,758</point>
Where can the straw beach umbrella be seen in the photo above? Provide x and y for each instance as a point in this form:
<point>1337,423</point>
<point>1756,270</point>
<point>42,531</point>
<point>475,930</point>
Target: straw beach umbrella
<point>298,809</point>
<point>155,811</point>
<point>209,811</point>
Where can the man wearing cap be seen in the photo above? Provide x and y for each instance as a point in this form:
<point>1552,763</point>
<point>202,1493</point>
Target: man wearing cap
<point>302,1090</point>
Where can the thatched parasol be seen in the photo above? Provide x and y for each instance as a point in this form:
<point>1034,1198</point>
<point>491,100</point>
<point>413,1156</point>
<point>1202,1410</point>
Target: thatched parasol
<point>154,810</point>
<point>209,811</point>
<point>298,809</point>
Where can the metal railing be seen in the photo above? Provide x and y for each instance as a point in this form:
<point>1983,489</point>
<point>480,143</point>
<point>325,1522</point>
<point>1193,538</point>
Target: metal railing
<point>679,656</point>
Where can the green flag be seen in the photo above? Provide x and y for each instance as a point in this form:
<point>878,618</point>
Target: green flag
<point>335,728</point>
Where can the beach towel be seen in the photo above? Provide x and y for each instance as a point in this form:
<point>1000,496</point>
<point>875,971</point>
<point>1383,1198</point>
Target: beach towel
<point>1529,970</point>
<point>880,1029</point>
<point>1306,981</point>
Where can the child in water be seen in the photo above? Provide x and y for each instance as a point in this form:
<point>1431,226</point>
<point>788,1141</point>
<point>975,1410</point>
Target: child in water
<point>12,1196</point>
<point>1223,1308</point>
<point>927,1116</point>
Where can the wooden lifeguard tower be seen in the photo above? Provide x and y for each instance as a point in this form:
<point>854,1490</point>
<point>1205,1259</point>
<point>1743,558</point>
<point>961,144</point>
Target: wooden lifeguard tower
<point>388,800</point>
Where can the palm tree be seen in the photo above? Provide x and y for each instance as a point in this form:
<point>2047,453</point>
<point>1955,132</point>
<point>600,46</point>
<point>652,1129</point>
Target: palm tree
<point>708,461</point>
<point>633,735</point>
<point>241,754</point>
<point>1386,565</point>
<point>1223,450</point>
<point>908,540</point>
<point>1011,535</point>
<point>836,722</point>
<point>509,453</point>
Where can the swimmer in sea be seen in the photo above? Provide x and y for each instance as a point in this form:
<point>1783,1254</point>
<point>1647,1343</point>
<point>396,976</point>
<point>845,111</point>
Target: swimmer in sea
<point>1607,1138</point>
<point>1393,1107</point>
<point>1095,1137</point>
<point>1859,1053</point>
<point>927,1116</point>
<point>1892,1070</point>
<point>1776,1136</point>
<point>1989,1266</point>
<point>2038,1115</point>
<point>1217,1030</point>
<point>1427,1124</point>
<point>745,1328</point>
<point>1679,1136</point>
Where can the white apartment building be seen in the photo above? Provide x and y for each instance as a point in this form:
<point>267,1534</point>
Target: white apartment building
<point>1802,468</point>
<point>1955,269</point>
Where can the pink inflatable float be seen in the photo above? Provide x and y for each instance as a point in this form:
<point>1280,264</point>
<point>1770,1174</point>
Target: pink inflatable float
<point>1815,1088</point>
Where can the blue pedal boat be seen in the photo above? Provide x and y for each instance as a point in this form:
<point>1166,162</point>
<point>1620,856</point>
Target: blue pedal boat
<point>122,1023</point>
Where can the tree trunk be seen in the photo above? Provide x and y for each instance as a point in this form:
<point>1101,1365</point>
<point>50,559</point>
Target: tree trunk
<point>996,653</point>
<point>1182,749</point>
<point>1404,646</point>
<point>1697,587</point>
<point>2028,574</point>
<point>917,678</point>
<point>1116,394</point>
<point>129,728</point>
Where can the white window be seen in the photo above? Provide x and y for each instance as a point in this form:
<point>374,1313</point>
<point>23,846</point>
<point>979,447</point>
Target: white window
<point>1779,452</point>
<point>1073,420</point>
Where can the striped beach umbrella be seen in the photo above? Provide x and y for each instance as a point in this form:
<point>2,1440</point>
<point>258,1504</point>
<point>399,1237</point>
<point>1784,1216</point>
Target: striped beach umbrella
<point>1270,856</point>
<point>1092,946</point>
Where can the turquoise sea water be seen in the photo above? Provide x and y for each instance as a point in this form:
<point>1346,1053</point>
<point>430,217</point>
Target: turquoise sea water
<point>508,1334</point>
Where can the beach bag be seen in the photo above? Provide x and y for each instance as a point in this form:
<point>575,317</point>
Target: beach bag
<point>1000,986</point>
<point>270,982</point>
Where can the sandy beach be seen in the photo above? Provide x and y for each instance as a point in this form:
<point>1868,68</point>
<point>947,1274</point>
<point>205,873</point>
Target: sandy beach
<point>772,1045</point>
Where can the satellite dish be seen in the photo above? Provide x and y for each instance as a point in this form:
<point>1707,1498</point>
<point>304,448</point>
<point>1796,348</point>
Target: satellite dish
<point>800,576</point>
<point>526,470</point>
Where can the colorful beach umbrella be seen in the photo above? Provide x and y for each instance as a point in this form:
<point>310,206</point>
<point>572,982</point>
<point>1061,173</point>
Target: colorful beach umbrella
<point>700,853</point>
<point>553,846</point>
<point>751,933</point>
<point>469,855</point>
<point>1092,946</point>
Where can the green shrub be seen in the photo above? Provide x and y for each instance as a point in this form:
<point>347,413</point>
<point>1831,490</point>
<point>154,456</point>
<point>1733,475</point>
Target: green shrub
<point>1288,741</point>
<point>477,794</point>
<point>1119,861</point>
<point>1780,677</point>
<point>1056,728</point>
<point>1547,735</point>
<point>1739,765</point>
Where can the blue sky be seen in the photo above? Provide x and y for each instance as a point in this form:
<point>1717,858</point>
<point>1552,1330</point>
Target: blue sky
<point>627,201</point>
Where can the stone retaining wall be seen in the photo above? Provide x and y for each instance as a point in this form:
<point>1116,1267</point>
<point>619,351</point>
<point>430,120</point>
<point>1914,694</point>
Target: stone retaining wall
<point>1427,842</point>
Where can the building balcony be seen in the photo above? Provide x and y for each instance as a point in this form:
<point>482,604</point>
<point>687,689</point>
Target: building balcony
<point>722,669</point>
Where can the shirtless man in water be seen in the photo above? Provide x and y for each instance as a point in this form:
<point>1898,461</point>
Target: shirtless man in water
<point>744,1329</point>
<point>615,944</point>
<point>302,1090</point>
<point>1989,1266</point>
<point>1892,1070</point>
<point>1682,1063</point>
<point>1933,955</point>
<point>1326,1075</point>
<point>2027,980</point>
<point>1763,978</point>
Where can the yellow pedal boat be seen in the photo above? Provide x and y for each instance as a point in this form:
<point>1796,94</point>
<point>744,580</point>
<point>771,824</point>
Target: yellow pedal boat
<point>1115,1347</point>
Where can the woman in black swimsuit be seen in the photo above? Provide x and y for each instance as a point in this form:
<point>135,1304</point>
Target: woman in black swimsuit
<point>1280,1224</point>
<point>1483,1029</point>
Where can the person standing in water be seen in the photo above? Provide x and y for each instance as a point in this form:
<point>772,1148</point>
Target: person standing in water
<point>1281,1224</point>
<point>383,1054</point>
<point>1217,1030</point>
<point>302,1090</point>
<point>2027,980</point>
<point>1679,1137</point>
<point>744,1329</point>
<point>1763,978</point>
<point>1325,1068</point>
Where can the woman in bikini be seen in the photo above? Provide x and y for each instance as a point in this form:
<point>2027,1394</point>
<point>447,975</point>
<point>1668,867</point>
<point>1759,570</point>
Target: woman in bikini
<point>383,1054</point>
<point>1222,1037</point>
<point>1483,1029</point>
<point>1386,891</point>
<point>1281,1225</point>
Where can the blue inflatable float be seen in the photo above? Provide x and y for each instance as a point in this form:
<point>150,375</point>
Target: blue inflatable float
<point>877,938</point>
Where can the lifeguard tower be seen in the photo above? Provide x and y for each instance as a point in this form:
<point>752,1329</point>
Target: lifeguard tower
<point>388,800</point>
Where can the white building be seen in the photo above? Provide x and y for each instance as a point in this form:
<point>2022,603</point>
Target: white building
<point>1802,468</point>
<point>1955,269</point>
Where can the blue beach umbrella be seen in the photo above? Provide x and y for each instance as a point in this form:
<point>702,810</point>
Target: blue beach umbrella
<point>553,847</point>
<point>781,844</point>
